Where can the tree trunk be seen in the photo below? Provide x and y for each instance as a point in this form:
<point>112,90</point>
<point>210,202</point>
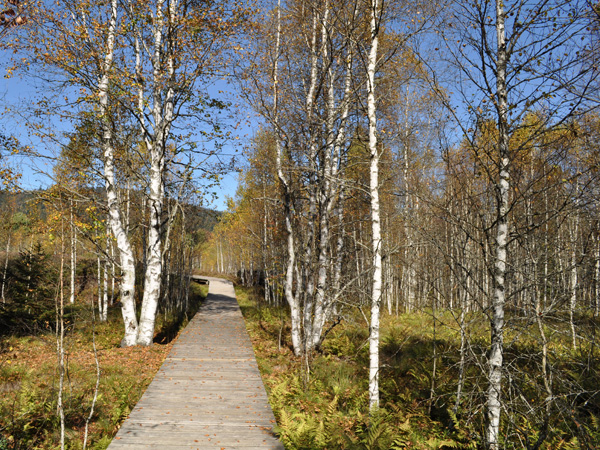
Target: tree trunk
<point>163,116</point>
<point>292,300</point>
<point>375,215</point>
<point>153,275</point>
<point>495,361</point>
<point>462,361</point>
<point>73,256</point>
<point>329,184</point>
<point>99,282</point>
<point>112,273</point>
<point>596,278</point>
<point>573,232</point>
<point>116,223</point>
<point>60,343</point>
<point>104,317</point>
<point>5,273</point>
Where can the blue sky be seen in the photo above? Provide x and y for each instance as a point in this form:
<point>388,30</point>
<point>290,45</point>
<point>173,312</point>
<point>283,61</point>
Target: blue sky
<point>15,96</point>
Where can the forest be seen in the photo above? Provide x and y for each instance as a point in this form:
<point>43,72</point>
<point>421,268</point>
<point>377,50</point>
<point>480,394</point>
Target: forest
<point>414,236</point>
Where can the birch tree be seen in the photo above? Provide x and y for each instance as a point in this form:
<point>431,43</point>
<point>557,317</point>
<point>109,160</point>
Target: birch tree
<point>376,240</point>
<point>513,58</point>
<point>290,296</point>
<point>79,31</point>
<point>311,121</point>
<point>173,53</point>
<point>151,62</point>
<point>127,261</point>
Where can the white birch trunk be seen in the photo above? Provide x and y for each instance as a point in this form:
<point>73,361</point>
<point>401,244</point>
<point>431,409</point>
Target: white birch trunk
<point>573,280</point>
<point>153,275</point>
<point>376,241</point>
<point>99,282</point>
<point>264,241</point>
<point>410,285</point>
<point>292,300</point>
<point>337,266</point>
<point>495,362</point>
<point>126,253</point>
<point>104,317</point>
<point>73,257</point>
<point>307,269</point>
<point>596,278</point>
<point>327,192</point>
<point>328,176</point>
<point>112,273</point>
<point>5,273</point>
<point>163,116</point>
<point>546,373</point>
<point>60,345</point>
<point>461,364</point>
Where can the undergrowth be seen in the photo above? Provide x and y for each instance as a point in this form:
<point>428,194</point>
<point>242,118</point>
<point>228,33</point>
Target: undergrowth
<point>326,407</point>
<point>29,379</point>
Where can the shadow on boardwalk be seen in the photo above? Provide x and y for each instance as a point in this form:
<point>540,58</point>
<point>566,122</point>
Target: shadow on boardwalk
<point>208,393</point>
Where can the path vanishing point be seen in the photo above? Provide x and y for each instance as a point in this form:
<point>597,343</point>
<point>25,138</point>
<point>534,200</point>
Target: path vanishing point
<point>208,394</point>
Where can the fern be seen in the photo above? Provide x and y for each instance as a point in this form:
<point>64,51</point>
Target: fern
<point>593,430</point>
<point>401,443</point>
<point>571,444</point>
<point>377,431</point>
<point>284,392</point>
<point>438,444</point>
<point>320,436</point>
<point>301,431</point>
<point>461,434</point>
<point>379,434</point>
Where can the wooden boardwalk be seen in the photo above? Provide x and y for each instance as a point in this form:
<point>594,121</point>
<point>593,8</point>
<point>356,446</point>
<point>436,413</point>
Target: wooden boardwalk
<point>208,393</point>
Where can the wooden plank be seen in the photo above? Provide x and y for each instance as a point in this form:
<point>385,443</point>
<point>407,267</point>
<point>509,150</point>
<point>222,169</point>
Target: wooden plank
<point>208,393</point>
<point>195,446</point>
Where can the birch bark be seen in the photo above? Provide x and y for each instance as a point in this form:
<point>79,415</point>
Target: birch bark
<point>376,241</point>
<point>99,283</point>
<point>104,317</point>
<point>156,143</point>
<point>290,296</point>
<point>330,183</point>
<point>126,253</point>
<point>495,361</point>
<point>5,272</point>
<point>73,255</point>
<point>310,244</point>
<point>573,279</point>
<point>596,278</point>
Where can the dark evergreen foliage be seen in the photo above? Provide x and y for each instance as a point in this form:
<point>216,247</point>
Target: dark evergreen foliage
<point>31,293</point>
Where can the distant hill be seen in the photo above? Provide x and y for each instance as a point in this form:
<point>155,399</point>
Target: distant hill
<point>28,203</point>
